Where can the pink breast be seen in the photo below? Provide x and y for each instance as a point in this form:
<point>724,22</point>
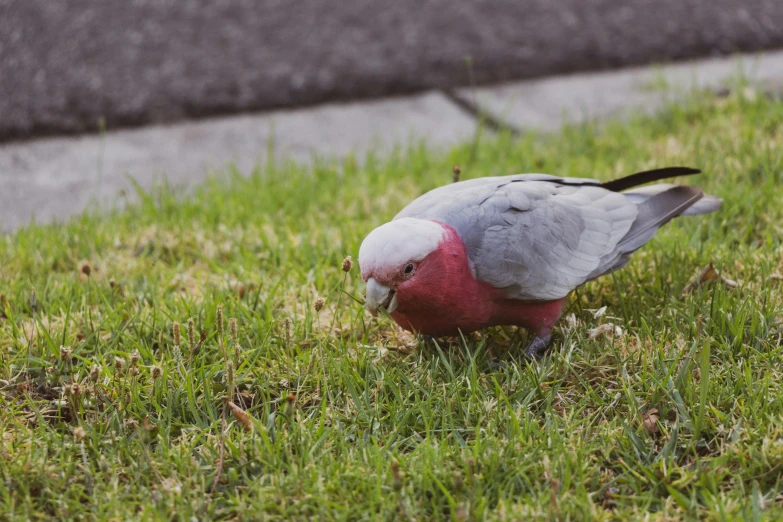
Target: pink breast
<point>444,298</point>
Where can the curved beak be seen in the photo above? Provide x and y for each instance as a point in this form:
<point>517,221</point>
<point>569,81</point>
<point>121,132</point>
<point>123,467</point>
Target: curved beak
<point>379,296</point>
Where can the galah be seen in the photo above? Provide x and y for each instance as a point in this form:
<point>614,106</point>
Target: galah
<point>508,250</point>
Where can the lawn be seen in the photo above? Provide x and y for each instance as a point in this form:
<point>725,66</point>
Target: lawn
<point>123,338</point>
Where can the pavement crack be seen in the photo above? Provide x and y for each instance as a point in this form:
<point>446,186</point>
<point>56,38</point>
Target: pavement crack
<point>473,109</point>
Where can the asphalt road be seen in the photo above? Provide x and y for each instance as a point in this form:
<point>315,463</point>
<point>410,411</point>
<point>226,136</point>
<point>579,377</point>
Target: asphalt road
<point>65,66</point>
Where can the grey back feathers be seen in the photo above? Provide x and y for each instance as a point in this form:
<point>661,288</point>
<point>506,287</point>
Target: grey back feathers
<point>537,237</point>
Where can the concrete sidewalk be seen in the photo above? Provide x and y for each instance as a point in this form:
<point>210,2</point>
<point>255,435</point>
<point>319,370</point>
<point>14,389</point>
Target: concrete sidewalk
<point>54,178</point>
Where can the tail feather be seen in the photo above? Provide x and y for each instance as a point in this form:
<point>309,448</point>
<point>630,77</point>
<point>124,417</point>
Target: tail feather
<point>657,205</point>
<point>655,212</point>
<point>705,205</point>
<point>648,176</point>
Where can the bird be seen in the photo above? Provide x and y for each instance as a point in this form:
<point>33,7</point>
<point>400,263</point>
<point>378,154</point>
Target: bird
<point>508,250</point>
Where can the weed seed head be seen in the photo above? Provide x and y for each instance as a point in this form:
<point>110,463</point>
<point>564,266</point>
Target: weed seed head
<point>347,264</point>
<point>396,475</point>
<point>147,424</point>
<point>458,482</point>
<point>66,353</point>
<point>156,372</point>
<point>177,354</point>
<point>134,358</point>
<point>232,329</point>
<point>86,269</point>
<point>119,364</point>
<point>95,373</point>
<point>219,319</point>
<point>288,327</point>
<point>175,333</point>
<point>319,304</point>
<point>191,333</point>
<point>289,404</point>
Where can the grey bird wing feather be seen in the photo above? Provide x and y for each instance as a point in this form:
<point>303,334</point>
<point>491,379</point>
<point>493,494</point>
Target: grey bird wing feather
<point>538,237</point>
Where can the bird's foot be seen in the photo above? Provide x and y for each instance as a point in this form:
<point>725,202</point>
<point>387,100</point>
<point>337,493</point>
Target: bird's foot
<point>427,340</point>
<point>538,347</point>
<point>496,364</point>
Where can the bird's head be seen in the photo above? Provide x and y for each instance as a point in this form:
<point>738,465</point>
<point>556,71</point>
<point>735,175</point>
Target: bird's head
<point>404,260</point>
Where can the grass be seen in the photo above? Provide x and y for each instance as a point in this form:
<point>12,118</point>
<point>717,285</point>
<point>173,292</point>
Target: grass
<point>680,417</point>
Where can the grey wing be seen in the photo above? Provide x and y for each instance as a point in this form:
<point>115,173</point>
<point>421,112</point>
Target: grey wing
<point>564,237</point>
<point>537,237</point>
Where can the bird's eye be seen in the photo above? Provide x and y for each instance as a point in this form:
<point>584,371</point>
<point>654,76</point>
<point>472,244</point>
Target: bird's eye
<point>408,270</point>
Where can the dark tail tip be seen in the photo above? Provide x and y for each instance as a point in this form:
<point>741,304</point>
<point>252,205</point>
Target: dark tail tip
<point>648,176</point>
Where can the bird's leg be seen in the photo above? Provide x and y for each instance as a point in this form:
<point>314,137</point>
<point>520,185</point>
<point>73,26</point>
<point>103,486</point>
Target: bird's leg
<point>546,322</point>
<point>539,345</point>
